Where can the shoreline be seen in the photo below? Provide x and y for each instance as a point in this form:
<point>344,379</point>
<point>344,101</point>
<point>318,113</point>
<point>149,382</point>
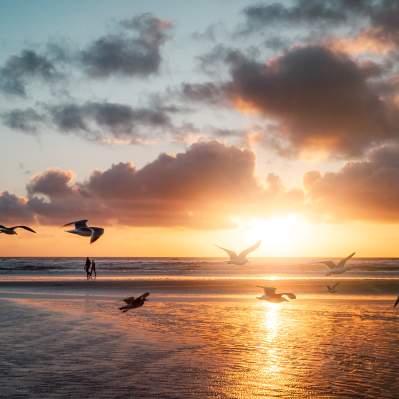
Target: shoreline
<point>181,285</point>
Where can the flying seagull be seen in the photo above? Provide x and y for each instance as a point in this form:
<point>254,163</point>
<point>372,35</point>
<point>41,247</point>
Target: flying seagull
<point>133,302</point>
<point>241,258</point>
<point>337,268</point>
<point>332,289</point>
<point>396,303</point>
<point>82,229</point>
<point>11,230</point>
<point>271,296</point>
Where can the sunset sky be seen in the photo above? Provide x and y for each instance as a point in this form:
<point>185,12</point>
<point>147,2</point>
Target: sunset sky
<point>176,126</point>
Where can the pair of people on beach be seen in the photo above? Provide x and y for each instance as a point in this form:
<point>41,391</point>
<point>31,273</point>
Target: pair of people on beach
<point>90,269</point>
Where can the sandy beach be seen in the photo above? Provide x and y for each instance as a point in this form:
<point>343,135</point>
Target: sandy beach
<point>197,337</point>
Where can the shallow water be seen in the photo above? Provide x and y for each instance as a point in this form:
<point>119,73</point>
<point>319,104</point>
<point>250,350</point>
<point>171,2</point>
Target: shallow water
<point>77,344</point>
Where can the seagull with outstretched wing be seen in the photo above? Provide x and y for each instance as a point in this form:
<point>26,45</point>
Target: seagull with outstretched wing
<point>82,229</point>
<point>132,302</point>
<point>241,258</point>
<point>337,268</point>
<point>11,230</point>
<point>270,295</point>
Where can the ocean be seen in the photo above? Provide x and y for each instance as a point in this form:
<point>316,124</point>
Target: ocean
<point>202,334</point>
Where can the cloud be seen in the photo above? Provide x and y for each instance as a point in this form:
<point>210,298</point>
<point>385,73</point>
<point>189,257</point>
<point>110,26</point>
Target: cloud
<point>261,16</point>
<point>101,120</point>
<point>54,183</point>
<point>24,120</point>
<point>132,50</point>
<point>96,121</point>
<point>14,210</point>
<point>20,69</point>
<point>200,188</point>
<point>363,190</point>
<point>321,100</point>
<point>124,54</point>
<point>374,23</point>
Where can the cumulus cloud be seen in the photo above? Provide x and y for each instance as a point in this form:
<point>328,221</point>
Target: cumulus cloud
<point>363,190</point>
<point>200,188</point>
<point>54,183</point>
<point>320,99</point>
<point>14,210</point>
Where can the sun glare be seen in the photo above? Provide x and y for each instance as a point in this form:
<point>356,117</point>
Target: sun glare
<point>280,236</point>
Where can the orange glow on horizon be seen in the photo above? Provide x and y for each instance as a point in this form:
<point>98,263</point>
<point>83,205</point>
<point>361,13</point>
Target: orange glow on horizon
<point>290,235</point>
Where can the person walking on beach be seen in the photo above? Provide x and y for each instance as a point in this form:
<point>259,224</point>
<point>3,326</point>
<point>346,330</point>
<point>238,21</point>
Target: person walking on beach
<point>93,273</point>
<point>87,268</point>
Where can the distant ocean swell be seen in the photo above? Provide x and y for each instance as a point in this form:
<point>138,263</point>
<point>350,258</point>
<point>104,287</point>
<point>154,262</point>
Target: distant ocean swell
<point>194,266</point>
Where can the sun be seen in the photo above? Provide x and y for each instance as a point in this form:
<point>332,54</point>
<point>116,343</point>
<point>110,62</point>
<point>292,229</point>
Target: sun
<point>280,235</point>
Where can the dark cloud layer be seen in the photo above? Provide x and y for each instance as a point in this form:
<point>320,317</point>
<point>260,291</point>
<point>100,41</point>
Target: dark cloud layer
<point>321,99</point>
<point>14,210</point>
<point>364,190</point>
<point>202,188</point>
<point>96,121</point>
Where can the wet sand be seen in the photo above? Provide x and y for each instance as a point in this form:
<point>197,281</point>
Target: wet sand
<point>199,338</point>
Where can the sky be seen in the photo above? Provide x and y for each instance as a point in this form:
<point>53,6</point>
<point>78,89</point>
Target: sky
<point>177,127</point>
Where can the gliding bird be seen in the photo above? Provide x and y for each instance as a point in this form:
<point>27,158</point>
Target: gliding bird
<point>133,302</point>
<point>82,229</point>
<point>332,289</point>
<point>241,258</point>
<point>271,296</point>
<point>11,230</point>
<point>337,268</point>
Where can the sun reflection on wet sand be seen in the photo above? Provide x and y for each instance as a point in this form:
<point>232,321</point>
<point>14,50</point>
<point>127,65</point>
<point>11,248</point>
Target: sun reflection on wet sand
<point>203,348</point>
<point>271,323</point>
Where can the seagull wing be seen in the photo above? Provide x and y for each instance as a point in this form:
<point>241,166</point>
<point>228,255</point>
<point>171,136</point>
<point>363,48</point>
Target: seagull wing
<point>289,294</point>
<point>129,300</point>
<point>244,253</point>
<point>144,296</point>
<point>231,253</point>
<point>328,263</point>
<point>343,261</point>
<point>96,233</point>
<point>78,223</point>
<point>2,227</point>
<point>23,227</point>
<point>397,301</point>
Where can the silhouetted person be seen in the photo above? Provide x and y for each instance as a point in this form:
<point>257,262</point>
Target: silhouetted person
<point>93,269</point>
<point>87,268</point>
